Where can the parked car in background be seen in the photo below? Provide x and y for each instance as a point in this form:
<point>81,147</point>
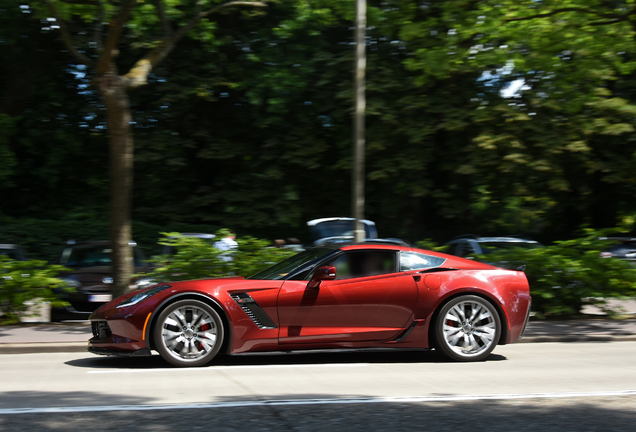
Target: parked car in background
<point>14,252</point>
<point>335,230</point>
<point>470,244</point>
<point>91,276</point>
<point>623,248</point>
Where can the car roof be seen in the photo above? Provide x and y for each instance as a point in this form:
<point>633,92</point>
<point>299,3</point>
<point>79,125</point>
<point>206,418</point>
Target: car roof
<point>321,220</point>
<point>95,243</point>
<point>503,239</point>
<point>197,235</point>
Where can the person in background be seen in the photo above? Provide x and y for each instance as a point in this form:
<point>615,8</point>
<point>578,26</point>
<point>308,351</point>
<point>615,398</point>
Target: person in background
<point>226,245</point>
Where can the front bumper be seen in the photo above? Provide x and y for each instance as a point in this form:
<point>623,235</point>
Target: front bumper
<point>116,337</point>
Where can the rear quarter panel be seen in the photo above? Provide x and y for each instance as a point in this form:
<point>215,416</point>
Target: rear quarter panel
<point>507,290</point>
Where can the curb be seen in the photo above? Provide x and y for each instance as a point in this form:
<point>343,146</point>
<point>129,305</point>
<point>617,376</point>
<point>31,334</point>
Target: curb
<point>578,338</point>
<point>47,347</point>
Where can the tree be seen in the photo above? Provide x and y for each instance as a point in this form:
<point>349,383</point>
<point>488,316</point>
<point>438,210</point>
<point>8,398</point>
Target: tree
<point>546,158</point>
<point>160,27</point>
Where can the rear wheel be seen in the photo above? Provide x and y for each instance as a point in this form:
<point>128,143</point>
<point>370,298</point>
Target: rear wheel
<point>467,329</point>
<point>188,333</point>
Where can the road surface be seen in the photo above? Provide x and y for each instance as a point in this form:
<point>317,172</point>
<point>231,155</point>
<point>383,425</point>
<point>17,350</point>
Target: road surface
<point>548,387</point>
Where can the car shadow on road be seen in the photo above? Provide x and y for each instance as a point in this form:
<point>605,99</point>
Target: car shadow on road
<point>295,357</point>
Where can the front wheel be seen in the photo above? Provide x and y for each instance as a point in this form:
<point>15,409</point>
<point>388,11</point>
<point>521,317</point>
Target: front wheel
<point>467,329</point>
<point>188,333</point>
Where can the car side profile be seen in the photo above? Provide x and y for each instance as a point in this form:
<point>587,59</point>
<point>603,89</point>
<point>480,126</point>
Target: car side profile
<point>355,296</point>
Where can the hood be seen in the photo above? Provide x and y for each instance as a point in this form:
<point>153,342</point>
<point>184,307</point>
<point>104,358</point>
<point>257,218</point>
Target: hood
<point>90,274</point>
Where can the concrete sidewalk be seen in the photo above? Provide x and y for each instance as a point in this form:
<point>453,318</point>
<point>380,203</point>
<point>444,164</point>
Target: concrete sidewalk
<point>73,336</point>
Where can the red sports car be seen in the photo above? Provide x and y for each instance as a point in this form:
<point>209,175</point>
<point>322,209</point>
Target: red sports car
<point>357,296</point>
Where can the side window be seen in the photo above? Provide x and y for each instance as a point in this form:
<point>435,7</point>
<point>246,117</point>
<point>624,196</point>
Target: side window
<point>463,249</point>
<point>453,248</point>
<point>364,263</point>
<point>418,261</point>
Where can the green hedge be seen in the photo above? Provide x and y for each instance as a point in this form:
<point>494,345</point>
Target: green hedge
<point>199,259</point>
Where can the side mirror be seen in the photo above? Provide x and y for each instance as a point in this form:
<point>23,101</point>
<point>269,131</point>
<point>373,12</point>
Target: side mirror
<point>323,273</point>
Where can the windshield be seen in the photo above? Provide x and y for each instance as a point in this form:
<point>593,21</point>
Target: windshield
<point>99,255</point>
<point>11,253</point>
<point>623,248</point>
<point>294,264</point>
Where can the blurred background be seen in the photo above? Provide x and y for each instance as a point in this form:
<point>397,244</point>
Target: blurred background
<point>480,119</point>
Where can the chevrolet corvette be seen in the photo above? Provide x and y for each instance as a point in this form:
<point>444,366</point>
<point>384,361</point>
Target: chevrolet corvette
<point>351,297</point>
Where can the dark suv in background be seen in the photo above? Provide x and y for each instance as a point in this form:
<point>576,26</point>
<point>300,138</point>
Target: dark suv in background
<point>471,244</point>
<point>91,276</point>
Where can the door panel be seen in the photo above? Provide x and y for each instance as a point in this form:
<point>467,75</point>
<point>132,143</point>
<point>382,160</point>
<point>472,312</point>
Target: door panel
<point>369,308</point>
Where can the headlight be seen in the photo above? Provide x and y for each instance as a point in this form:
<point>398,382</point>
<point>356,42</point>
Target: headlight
<point>142,283</point>
<point>142,296</point>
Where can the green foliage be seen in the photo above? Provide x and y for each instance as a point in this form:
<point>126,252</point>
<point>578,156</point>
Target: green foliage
<point>247,124</point>
<point>570,274</point>
<point>24,282</point>
<point>431,245</point>
<point>199,259</point>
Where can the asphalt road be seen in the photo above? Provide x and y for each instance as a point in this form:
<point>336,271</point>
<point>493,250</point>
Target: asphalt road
<point>549,387</point>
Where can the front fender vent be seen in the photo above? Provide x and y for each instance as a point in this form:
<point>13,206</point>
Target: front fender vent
<point>253,310</point>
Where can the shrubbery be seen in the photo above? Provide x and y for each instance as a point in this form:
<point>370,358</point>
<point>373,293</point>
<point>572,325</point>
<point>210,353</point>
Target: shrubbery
<point>197,258</point>
<point>22,282</point>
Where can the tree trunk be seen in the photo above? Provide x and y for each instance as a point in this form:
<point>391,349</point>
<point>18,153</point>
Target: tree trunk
<point>114,91</point>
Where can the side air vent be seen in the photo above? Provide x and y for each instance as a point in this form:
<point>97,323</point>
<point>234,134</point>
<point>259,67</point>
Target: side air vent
<point>253,310</point>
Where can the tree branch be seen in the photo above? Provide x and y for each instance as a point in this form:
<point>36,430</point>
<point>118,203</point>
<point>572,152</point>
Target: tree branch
<point>99,24</point>
<point>114,34</point>
<point>600,23</point>
<point>81,2</point>
<point>570,9</point>
<point>195,20</point>
<point>67,40</point>
<point>165,24</point>
<point>138,74</point>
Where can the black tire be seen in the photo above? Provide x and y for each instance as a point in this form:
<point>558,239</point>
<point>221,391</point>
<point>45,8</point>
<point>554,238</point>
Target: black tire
<point>188,333</point>
<point>467,329</point>
<point>55,315</point>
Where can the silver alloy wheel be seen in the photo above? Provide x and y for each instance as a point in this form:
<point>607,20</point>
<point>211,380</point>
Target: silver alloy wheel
<point>189,333</point>
<point>470,328</point>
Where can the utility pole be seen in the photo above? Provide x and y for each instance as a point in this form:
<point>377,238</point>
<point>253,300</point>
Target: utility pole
<point>358,122</point>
